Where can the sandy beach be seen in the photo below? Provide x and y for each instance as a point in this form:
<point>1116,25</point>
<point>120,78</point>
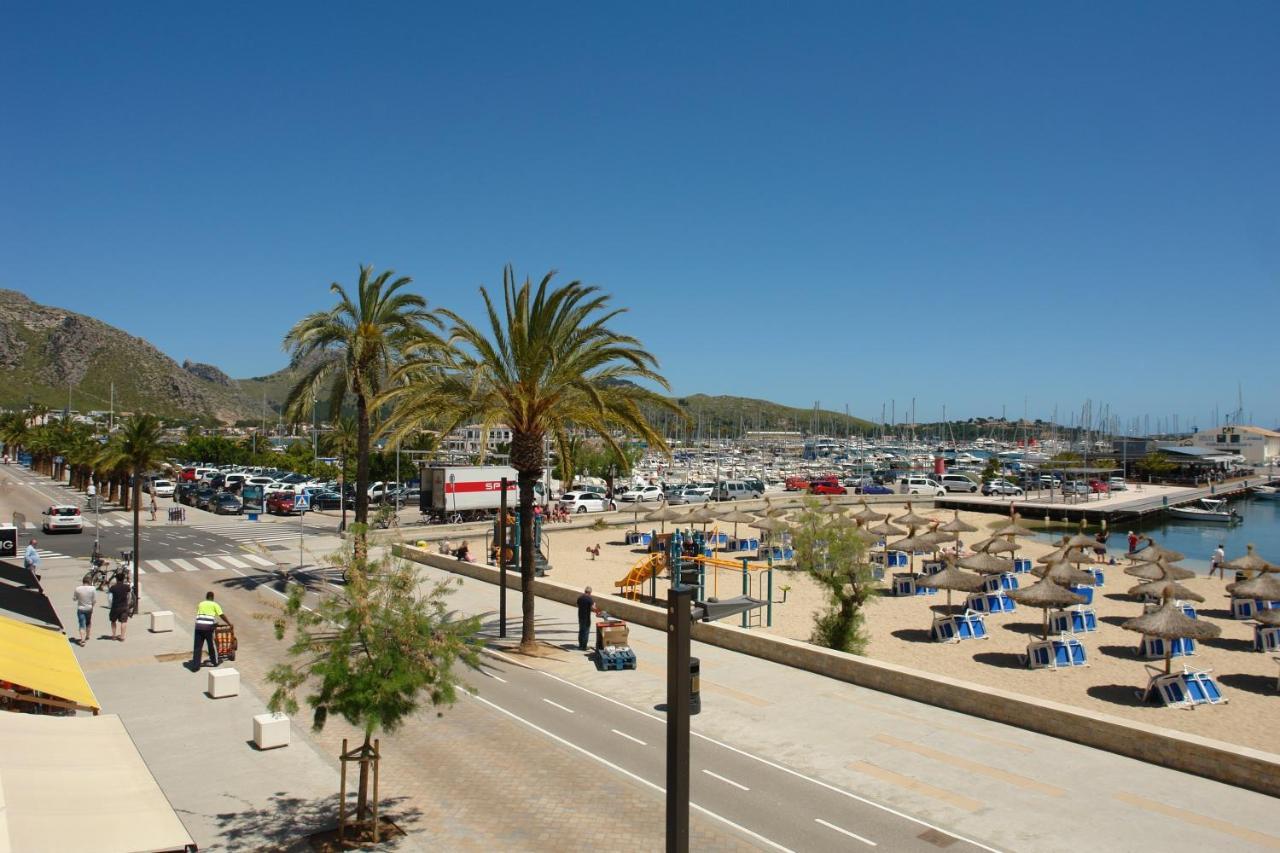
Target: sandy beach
<point>899,633</point>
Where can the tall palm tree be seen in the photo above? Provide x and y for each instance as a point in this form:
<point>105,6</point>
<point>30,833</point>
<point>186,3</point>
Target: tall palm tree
<point>136,448</point>
<point>354,346</point>
<point>549,364</point>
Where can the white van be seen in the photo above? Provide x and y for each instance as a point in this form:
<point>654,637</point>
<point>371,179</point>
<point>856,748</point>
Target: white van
<point>958,483</point>
<point>732,490</point>
<point>917,485</point>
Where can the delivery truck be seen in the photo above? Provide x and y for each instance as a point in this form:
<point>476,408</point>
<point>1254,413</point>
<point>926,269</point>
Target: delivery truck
<point>472,492</point>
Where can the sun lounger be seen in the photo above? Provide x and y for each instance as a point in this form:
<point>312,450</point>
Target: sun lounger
<point>997,583</point>
<point>990,602</point>
<point>904,583</point>
<point>1021,565</point>
<point>956,627</point>
<point>1085,592</point>
<point>1076,620</point>
<point>1243,608</point>
<point>932,567</point>
<point>1187,608</point>
<point>1061,653</point>
<point>1266,638</point>
<point>1099,576</point>
<point>1185,689</point>
<point>898,560</point>
<point>1153,648</point>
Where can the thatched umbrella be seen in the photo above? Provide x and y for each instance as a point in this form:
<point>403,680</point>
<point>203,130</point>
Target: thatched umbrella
<point>953,578</point>
<point>1063,575</point>
<point>1081,540</point>
<point>663,514</point>
<point>737,516</point>
<point>955,525</point>
<point>1045,594</point>
<point>1170,623</point>
<point>1270,618</point>
<point>1250,562</point>
<point>1264,587</point>
<point>1157,552</point>
<point>1159,572</point>
<point>866,515</point>
<point>1056,554</point>
<point>886,530</point>
<point>1013,528</point>
<point>911,519</point>
<point>771,511</point>
<point>770,525</point>
<point>986,564</point>
<point>996,545</point>
<point>832,508</point>
<point>1165,589</point>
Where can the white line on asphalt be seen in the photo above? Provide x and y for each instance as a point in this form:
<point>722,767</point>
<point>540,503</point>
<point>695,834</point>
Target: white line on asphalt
<point>184,565</point>
<point>211,562</point>
<point>261,561</point>
<point>843,831</point>
<point>625,772</point>
<point>764,761</point>
<point>158,566</point>
<point>628,737</point>
<point>233,561</point>
<point>558,705</point>
<point>740,787</point>
<point>494,677</point>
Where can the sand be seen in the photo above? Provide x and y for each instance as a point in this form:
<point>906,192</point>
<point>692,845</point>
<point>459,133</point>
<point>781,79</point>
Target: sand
<point>899,633</point>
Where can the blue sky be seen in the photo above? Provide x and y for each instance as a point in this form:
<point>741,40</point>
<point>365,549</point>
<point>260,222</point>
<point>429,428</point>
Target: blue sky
<point>975,205</point>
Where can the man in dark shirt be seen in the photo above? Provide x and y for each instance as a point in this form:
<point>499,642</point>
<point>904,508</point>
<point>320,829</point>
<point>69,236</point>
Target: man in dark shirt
<point>586,606</point>
<point>120,591</point>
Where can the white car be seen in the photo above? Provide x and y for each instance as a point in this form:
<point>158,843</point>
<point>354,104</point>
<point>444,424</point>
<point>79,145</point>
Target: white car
<point>642,494</point>
<point>576,502</point>
<point>162,488</point>
<point>61,517</point>
<point>958,483</point>
<point>693,495</point>
<point>915,485</point>
<point>1117,484</point>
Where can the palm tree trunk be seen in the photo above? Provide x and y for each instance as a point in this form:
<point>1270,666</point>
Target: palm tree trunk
<point>528,544</point>
<point>137,492</point>
<point>362,472</point>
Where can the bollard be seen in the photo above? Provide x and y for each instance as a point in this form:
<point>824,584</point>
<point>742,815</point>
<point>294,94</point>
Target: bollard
<point>695,695</point>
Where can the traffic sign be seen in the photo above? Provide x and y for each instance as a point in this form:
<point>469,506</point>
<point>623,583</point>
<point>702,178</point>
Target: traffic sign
<point>302,503</point>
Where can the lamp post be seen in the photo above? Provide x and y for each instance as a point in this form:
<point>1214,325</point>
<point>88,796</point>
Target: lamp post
<point>679,599</point>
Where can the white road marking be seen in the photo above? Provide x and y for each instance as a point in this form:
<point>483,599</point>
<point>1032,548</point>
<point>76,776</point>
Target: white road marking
<point>212,563</point>
<point>607,763</point>
<point>628,737</point>
<point>737,785</point>
<point>494,677</point>
<point>157,566</point>
<point>558,705</point>
<point>184,565</point>
<point>254,558</point>
<point>764,761</point>
<point>226,558</point>
<point>843,831</point>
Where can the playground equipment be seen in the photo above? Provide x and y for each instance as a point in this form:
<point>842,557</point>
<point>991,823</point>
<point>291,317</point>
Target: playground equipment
<point>632,586</point>
<point>542,544</point>
<point>692,571</point>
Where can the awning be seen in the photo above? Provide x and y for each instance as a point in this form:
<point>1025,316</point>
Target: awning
<point>39,659</point>
<point>78,784</point>
<point>20,597</point>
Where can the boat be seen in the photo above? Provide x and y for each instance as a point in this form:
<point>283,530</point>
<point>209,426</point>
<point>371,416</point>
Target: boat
<point>1207,509</point>
<point>1266,493</point>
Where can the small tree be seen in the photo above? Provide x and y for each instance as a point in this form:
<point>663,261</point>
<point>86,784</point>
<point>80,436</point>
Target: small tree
<point>1155,465</point>
<point>372,651</point>
<point>991,470</point>
<point>833,553</point>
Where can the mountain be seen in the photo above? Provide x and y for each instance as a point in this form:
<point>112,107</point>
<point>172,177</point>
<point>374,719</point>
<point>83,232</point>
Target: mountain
<point>48,353</point>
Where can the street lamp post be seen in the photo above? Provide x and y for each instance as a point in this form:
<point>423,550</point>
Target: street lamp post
<point>679,619</point>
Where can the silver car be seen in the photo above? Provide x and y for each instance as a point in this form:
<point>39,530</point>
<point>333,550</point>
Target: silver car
<point>692,495</point>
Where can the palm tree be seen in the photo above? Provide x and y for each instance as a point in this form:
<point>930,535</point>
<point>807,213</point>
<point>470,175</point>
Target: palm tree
<point>354,346</point>
<point>136,448</point>
<point>547,366</point>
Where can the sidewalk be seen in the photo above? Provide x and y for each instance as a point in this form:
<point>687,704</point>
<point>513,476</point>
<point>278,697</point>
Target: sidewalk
<point>229,794</point>
<point>1006,786</point>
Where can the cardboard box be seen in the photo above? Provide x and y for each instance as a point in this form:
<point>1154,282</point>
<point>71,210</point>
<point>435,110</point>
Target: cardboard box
<point>615,635</point>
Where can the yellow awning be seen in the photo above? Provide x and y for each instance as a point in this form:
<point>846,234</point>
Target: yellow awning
<point>40,659</point>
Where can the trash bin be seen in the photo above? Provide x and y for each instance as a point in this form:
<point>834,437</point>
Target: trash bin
<point>695,696</point>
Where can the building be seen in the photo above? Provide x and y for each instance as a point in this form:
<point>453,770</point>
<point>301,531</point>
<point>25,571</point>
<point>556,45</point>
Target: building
<point>467,439</point>
<point>1255,445</point>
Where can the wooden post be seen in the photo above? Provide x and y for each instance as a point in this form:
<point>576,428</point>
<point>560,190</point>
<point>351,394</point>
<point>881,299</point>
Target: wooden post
<point>342,794</point>
<point>376,764</point>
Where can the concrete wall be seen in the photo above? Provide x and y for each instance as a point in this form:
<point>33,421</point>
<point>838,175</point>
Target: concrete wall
<point>1224,762</point>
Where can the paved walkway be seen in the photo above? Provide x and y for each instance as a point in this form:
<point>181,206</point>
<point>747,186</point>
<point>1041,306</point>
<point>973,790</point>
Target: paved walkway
<point>1004,786</point>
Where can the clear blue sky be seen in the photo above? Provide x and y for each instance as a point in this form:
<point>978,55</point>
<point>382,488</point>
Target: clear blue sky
<point>842,202</point>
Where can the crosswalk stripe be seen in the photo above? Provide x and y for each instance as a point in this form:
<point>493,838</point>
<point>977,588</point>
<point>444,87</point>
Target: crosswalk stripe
<point>184,565</point>
<point>212,563</point>
<point>28,525</point>
<point>261,561</point>
<point>233,561</point>
<point>157,566</point>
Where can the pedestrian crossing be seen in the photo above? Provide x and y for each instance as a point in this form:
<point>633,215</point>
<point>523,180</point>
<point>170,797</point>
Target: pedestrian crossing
<point>217,562</point>
<point>258,533</point>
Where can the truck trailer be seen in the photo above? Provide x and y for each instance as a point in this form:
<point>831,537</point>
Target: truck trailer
<point>470,491</point>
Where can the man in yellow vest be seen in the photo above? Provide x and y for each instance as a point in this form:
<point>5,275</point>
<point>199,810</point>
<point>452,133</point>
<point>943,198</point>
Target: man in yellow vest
<point>208,612</point>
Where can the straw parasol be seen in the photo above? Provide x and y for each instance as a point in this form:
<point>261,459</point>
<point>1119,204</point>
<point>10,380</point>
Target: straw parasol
<point>1081,540</point>
<point>832,508</point>
<point>737,516</point>
<point>953,578</point>
<point>1157,552</point>
<point>770,525</point>
<point>1250,562</point>
<point>886,530</point>
<point>771,511</point>
<point>866,515</point>
<point>1056,554</point>
<point>1159,572</point>
<point>1165,589</point>
<point>986,564</point>
<point>911,519</point>
<point>1063,574</point>
<point>1013,528</point>
<point>955,525</point>
<point>1169,623</point>
<point>663,514</point>
<point>1045,594</point>
<point>996,545</point>
<point>1264,587</point>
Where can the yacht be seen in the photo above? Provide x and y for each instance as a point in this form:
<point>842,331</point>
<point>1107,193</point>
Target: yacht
<point>1206,509</point>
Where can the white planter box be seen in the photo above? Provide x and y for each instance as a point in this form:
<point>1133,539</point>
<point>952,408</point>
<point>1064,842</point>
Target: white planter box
<point>270,730</point>
<point>161,621</point>
<point>223,682</point>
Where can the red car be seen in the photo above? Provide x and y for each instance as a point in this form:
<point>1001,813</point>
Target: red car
<point>827,487</point>
<point>797,484</point>
<point>280,503</point>
<point>1098,487</point>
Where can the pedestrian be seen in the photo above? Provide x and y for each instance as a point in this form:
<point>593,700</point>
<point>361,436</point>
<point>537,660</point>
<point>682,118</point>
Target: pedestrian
<point>85,597</point>
<point>208,612</point>
<point>1133,542</point>
<point>153,507</point>
<point>586,606</point>
<point>120,594</point>
<point>1217,562</point>
<point>31,559</point>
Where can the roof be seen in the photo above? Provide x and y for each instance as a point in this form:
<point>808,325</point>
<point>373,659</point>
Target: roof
<point>1256,431</point>
<point>79,784</point>
<point>1201,452</point>
<point>41,659</point>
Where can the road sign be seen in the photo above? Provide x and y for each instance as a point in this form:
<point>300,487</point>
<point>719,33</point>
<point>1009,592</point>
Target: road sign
<point>302,503</point>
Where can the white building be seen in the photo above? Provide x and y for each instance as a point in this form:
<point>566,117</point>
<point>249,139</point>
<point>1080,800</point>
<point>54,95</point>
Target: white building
<point>467,439</point>
<point>1255,445</point>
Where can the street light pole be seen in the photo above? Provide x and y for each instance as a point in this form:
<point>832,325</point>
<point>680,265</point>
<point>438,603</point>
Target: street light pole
<point>679,619</point>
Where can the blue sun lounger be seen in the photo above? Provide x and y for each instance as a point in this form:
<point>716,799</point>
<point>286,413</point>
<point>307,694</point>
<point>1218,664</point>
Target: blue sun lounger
<point>904,583</point>
<point>1266,638</point>
<point>1061,653</point>
<point>1085,592</point>
<point>990,602</point>
<point>1153,648</point>
<point>998,583</point>
<point>964,626</point>
<point>1099,576</point>
<point>1021,565</point>
<point>1185,689</point>
<point>1073,620</point>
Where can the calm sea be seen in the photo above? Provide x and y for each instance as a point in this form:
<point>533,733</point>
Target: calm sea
<point>1260,528</point>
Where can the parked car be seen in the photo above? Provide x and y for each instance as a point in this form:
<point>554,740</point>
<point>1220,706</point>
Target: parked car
<point>328,500</point>
<point>755,484</point>
<point>872,489</point>
<point>204,498</point>
<point>1049,481</point>
<point>1002,487</point>
<point>827,487</point>
<point>227,504</point>
<point>576,502</point>
<point>162,488</point>
<point>1099,487</point>
<point>185,492</point>
<point>671,490</point>
<point>60,518</point>
<point>280,503</point>
<point>1075,487</point>
<point>234,481</point>
<point>1117,484</point>
<point>916,485</point>
<point>692,495</point>
<point>642,494</point>
<point>732,490</point>
<point>958,483</point>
